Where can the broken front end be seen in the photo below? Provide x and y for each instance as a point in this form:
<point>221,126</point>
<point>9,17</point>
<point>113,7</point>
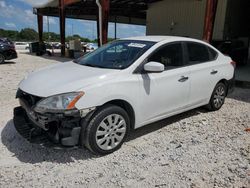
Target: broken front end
<point>50,120</point>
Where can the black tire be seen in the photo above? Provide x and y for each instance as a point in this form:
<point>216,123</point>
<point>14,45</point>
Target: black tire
<point>218,98</point>
<point>90,138</point>
<point>2,58</point>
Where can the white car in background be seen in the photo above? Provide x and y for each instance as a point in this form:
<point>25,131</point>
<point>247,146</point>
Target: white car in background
<point>96,100</point>
<point>22,45</point>
<point>92,46</point>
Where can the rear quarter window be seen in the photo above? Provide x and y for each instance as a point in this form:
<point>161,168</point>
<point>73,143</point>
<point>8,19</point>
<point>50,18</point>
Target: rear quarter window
<point>213,54</point>
<point>197,53</point>
<point>200,53</point>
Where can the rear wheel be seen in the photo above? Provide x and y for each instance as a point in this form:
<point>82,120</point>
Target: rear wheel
<point>107,130</point>
<point>218,97</point>
<point>2,58</point>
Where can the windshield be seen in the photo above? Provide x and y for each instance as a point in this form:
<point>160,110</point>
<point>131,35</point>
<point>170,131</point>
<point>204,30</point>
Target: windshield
<point>116,55</point>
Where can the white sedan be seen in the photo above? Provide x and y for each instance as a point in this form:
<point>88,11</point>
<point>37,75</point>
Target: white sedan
<point>96,100</point>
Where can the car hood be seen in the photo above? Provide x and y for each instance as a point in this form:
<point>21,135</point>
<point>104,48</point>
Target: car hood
<point>64,78</point>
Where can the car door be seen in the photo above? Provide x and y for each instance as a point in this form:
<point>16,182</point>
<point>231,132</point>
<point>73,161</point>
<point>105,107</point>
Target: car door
<point>203,69</point>
<point>166,92</point>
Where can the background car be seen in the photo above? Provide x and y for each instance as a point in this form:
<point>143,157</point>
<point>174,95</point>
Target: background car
<point>92,46</point>
<point>6,41</point>
<point>7,50</point>
<point>56,45</point>
<point>22,45</point>
<point>236,49</point>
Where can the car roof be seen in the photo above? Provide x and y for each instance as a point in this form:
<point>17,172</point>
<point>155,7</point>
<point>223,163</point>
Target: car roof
<point>159,38</point>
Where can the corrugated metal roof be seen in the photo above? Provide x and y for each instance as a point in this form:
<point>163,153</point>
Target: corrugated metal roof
<point>121,11</point>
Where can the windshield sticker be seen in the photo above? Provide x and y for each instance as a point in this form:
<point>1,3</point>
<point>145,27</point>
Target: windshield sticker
<point>137,45</point>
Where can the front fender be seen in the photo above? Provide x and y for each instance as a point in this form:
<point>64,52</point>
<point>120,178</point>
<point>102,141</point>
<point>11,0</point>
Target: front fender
<point>99,94</point>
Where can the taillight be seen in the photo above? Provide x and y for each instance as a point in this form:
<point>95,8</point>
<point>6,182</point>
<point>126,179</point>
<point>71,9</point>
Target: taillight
<point>233,63</point>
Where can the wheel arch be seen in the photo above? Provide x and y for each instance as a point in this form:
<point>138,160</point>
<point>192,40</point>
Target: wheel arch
<point>3,53</point>
<point>127,107</point>
<point>4,56</point>
<point>224,81</point>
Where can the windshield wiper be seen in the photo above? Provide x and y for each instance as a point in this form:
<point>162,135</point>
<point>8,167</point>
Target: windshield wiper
<point>91,65</point>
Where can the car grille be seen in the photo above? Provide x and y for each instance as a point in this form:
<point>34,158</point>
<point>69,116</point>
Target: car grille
<point>29,99</point>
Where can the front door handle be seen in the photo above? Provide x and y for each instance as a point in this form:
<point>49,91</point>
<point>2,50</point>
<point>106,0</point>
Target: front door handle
<point>183,79</point>
<point>214,72</point>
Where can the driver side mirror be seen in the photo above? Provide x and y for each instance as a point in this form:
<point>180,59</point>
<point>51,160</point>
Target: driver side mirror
<point>154,67</point>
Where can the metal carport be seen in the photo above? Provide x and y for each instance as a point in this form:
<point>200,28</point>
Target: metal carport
<point>117,11</point>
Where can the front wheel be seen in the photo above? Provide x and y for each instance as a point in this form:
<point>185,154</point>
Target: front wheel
<point>107,130</point>
<point>218,97</point>
<point>2,58</point>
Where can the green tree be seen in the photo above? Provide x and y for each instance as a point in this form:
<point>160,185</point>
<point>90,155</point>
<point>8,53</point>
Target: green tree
<point>28,34</point>
<point>10,34</point>
<point>51,36</point>
<point>68,38</point>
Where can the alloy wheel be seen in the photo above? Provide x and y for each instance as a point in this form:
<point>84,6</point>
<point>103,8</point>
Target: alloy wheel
<point>110,132</point>
<point>219,96</point>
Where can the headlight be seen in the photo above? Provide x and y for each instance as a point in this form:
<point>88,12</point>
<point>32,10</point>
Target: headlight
<point>60,102</point>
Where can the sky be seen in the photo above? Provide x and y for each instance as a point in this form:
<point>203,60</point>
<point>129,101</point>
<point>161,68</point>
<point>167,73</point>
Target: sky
<point>18,14</point>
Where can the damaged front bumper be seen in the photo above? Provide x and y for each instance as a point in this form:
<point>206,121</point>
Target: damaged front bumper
<point>60,129</point>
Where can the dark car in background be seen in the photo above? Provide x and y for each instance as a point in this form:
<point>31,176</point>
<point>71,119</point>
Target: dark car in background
<point>7,50</point>
<point>236,49</point>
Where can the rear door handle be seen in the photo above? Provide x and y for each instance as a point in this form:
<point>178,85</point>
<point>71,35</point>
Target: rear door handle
<point>183,79</point>
<point>214,72</point>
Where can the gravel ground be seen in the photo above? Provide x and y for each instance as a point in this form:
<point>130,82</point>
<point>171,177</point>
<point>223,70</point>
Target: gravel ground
<point>194,149</point>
